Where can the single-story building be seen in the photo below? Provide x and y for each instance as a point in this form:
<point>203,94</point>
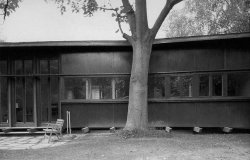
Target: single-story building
<point>193,81</point>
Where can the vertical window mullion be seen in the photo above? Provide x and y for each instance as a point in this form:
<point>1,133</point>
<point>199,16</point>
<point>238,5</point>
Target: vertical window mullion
<point>210,86</point>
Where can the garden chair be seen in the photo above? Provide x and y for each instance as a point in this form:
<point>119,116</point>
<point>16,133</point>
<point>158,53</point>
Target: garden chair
<point>54,128</point>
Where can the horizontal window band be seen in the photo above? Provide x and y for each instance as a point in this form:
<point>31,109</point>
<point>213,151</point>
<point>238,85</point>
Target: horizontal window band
<point>128,74</point>
<point>181,100</point>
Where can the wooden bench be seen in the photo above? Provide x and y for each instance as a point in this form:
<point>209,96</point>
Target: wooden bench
<point>54,128</point>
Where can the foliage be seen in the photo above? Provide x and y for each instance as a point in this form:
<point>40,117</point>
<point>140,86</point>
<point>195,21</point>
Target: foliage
<point>8,6</point>
<point>208,17</point>
<point>89,7</point>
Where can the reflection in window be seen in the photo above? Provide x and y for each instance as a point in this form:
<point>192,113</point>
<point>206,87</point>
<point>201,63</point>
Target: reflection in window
<point>239,84</point>
<point>217,85</point>
<point>204,85</point>
<point>101,88</point>
<point>96,88</point>
<point>75,88</point>
<point>121,88</point>
<point>180,86</point>
<point>156,87</point>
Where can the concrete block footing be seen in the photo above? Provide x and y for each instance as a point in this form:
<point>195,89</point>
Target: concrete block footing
<point>197,130</point>
<point>168,129</point>
<point>85,130</point>
<point>227,129</point>
<point>112,129</point>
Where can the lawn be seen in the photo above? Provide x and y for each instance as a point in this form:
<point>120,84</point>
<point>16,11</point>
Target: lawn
<point>178,145</point>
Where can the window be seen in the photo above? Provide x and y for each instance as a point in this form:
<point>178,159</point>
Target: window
<point>204,85</point>
<point>239,84</point>
<point>216,85</point>
<point>24,97</point>
<point>3,99</point>
<point>101,88</point>
<point>121,88</point>
<point>96,88</point>
<point>49,89</point>
<point>3,92</point>
<point>3,67</point>
<point>75,88</point>
<point>181,86</point>
<point>156,87</point>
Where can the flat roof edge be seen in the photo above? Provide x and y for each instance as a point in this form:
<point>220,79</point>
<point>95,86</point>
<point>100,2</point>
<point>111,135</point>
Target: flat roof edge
<point>123,42</point>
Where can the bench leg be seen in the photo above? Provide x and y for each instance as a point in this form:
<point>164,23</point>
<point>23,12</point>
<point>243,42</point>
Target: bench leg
<point>50,136</point>
<point>45,134</point>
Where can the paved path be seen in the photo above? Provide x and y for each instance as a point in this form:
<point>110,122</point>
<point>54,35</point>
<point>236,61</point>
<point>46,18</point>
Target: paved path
<point>31,142</point>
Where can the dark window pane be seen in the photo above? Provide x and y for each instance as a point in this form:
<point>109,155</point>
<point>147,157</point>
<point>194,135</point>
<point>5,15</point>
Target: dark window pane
<point>121,88</point>
<point>175,86</point>
<point>29,99</point>
<point>3,99</point>
<point>19,67</point>
<point>45,98</point>
<point>3,67</point>
<point>156,87</point>
<point>19,99</point>
<point>54,67</point>
<point>28,67</point>
<point>54,97</point>
<point>101,88</point>
<point>44,66</point>
<point>204,85</point>
<point>75,88</point>
<point>187,86</point>
<point>217,85</point>
<point>181,86</point>
<point>239,84</point>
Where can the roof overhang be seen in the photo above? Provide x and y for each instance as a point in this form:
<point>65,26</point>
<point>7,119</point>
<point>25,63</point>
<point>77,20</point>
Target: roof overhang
<point>121,42</point>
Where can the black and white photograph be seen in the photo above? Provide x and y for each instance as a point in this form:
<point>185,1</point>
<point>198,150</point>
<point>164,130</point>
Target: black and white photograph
<point>124,79</point>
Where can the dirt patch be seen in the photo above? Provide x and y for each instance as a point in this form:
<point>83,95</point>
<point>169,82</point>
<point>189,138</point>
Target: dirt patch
<point>125,134</point>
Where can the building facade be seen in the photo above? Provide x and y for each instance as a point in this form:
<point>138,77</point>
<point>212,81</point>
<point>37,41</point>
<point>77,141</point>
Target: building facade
<point>195,81</point>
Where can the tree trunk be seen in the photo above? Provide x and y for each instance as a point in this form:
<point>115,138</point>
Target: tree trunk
<point>137,117</point>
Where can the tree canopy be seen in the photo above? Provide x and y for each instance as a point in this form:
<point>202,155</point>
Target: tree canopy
<point>209,17</point>
<point>8,6</point>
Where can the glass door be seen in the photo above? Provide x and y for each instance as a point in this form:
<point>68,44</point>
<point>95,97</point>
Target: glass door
<point>48,91</point>
<point>4,111</point>
<point>24,93</point>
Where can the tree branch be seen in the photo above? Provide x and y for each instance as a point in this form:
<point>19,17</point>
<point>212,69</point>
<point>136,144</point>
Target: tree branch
<point>129,11</point>
<point>168,6</point>
<point>128,38</point>
<point>5,9</point>
<point>118,16</point>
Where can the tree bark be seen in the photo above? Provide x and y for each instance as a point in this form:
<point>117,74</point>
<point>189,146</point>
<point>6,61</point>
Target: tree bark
<point>141,40</point>
<point>137,117</point>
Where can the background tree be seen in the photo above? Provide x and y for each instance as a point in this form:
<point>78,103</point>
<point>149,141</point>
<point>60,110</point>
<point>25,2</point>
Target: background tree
<point>208,17</point>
